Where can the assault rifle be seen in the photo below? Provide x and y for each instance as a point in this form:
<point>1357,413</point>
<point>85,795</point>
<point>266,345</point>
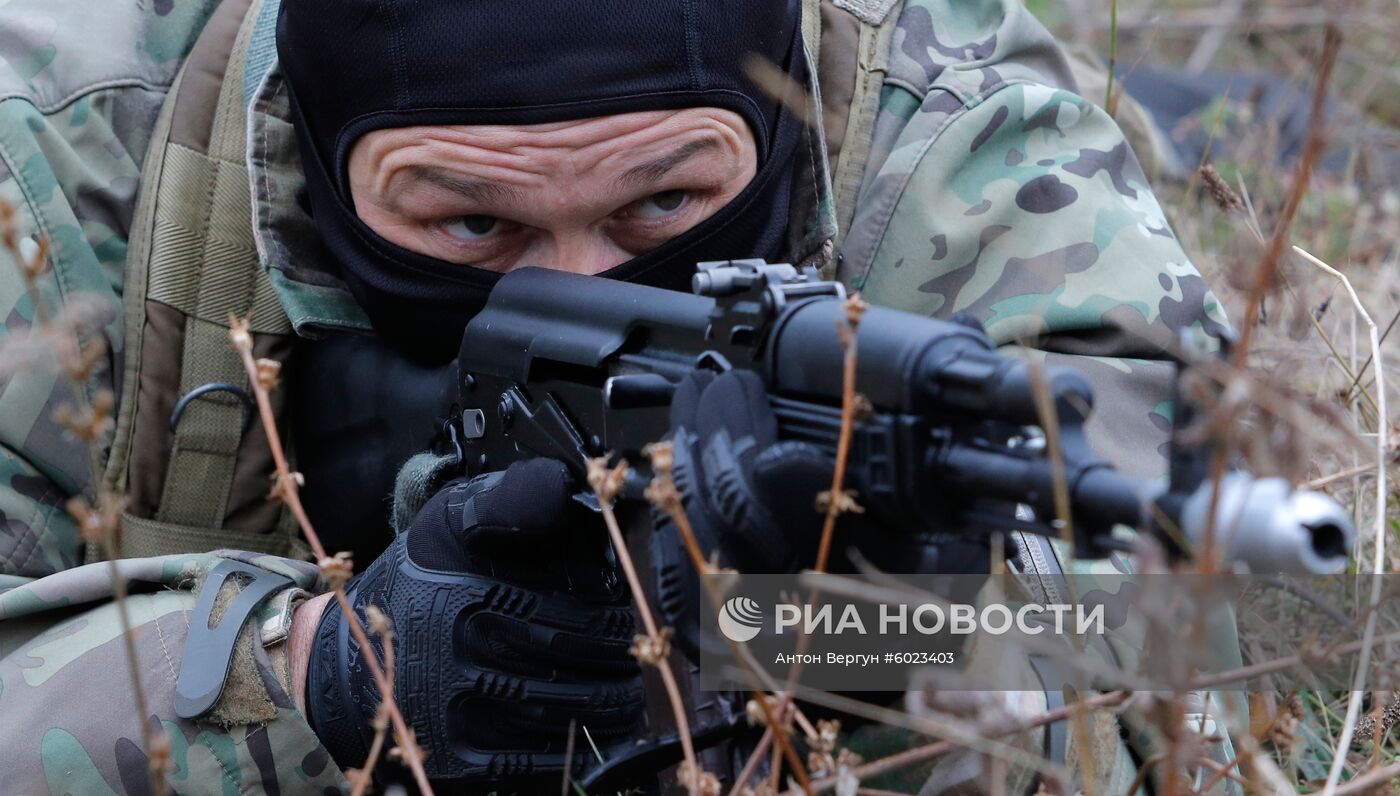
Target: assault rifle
<point>574,367</point>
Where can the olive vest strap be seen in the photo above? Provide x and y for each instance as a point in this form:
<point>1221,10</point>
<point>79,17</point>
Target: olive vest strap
<point>192,264</point>
<point>204,264</point>
<point>812,28</point>
<point>866,54</point>
<point>143,538</point>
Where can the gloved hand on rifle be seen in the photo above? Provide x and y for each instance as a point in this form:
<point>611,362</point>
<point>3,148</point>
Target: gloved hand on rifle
<point>510,626</point>
<point>753,499</point>
<point>748,496</point>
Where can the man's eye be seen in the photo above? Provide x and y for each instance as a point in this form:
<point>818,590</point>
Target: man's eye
<point>659,205</point>
<point>473,227</point>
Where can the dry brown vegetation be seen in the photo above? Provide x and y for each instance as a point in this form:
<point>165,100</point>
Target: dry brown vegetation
<point>1311,342</point>
<point>1240,212</point>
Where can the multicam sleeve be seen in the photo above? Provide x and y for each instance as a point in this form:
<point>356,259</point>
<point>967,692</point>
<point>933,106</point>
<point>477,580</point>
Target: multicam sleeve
<point>80,88</point>
<point>37,537</point>
<point>997,191</point>
<point>1029,211</point>
<point>40,467</point>
<point>60,636</point>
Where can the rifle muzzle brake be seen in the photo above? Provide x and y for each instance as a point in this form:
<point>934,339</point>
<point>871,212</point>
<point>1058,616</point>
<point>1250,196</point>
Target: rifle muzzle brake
<point>1268,525</point>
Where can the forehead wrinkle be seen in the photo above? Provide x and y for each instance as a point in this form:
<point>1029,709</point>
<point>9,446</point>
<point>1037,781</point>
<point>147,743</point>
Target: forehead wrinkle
<point>500,164</point>
<point>396,165</point>
<point>645,174</point>
<point>575,134</point>
<point>464,150</point>
<point>688,127</point>
<point>541,148</point>
<point>527,148</point>
<point>590,144</point>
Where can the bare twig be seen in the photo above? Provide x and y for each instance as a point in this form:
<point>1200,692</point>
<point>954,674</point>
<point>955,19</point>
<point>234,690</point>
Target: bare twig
<point>663,494</point>
<point>837,501</point>
<point>652,648</point>
<point>778,84</point>
<point>336,569</point>
<point>89,421</point>
<point>1361,371</point>
<point>1191,20</point>
<point>1221,771</point>
<point>1049,423</point>
<point>1340,475</point>
<point>1266,271</point>
<point>383,628</point>
<point>919,754</point>
<point>1236,676</point>
<point>751,765</point>
<point>954,737</point>
<point>1359,679</point>
<point>1365,782</point>
<point>1110,104</point>
<point>1144,770</point>
<point>1332,347</point>
<point>1214,36</point>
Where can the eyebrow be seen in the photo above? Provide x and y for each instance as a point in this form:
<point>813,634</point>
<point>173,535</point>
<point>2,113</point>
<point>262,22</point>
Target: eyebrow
<point>491,192</point>
<point>472,188</point>
<point>646,173</point>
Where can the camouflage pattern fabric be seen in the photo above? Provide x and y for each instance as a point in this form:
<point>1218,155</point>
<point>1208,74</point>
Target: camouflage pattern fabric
<point>995,190</point>
<point>79,92</point>
<point>991,187</point>
<point>80,87</point>
<point>71,724</point>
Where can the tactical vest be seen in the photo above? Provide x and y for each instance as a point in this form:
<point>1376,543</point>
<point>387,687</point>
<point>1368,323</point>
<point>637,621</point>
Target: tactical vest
<point>197,482</point>
<point>187,450</point>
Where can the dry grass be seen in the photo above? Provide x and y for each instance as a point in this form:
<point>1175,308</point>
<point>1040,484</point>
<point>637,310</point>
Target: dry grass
<point>1309,340</point>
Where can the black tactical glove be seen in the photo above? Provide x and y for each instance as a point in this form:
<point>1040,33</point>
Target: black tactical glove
<point>753,499</point>
<point>748,496</point>
<point>509,624</point>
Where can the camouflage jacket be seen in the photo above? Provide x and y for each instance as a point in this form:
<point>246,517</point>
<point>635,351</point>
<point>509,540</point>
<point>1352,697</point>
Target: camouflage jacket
<point>989,187</point>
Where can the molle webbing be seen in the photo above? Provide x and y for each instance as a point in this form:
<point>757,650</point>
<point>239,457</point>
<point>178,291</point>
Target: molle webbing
<point>192,265</point>
<point>859,99</point>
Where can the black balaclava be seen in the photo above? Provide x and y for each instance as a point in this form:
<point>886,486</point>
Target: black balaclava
<point>354,66</point>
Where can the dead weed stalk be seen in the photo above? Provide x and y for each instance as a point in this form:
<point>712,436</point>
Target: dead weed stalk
<point>77,349</point>
<point>337,569</point>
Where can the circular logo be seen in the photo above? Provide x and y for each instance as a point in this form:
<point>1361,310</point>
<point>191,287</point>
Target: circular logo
<point>740,619</point>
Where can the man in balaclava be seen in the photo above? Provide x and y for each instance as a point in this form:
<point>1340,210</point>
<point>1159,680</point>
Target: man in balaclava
<point>446,143</point>
<point>441,149</point>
